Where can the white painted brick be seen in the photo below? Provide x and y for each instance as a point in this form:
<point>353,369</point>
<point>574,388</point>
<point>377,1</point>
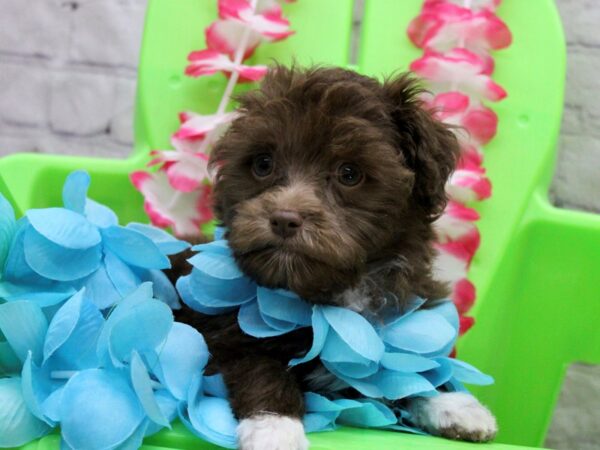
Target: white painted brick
<point>33,27</point>
<point>576,181</point>
<point>121,124</point>
<point>581,19</point>
<point>81,104</point>
<point>24,98</point>
<point>97,146</point>
<point>107,33</point>
<point>17,144</point>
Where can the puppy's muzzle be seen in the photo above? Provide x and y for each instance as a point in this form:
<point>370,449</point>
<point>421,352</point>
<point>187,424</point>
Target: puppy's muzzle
<point>285,223</point>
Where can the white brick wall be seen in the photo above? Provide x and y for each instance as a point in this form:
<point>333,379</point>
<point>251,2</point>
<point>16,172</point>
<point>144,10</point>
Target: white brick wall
<point>577,179</point>
<point>67,75</point>
<point>67,83</point>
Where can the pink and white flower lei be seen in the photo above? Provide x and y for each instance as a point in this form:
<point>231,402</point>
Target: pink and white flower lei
<point>457,37</point>
<point>178,194</point>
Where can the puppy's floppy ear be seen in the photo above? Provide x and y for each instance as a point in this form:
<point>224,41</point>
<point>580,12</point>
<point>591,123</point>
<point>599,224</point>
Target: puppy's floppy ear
<point>430,149</point>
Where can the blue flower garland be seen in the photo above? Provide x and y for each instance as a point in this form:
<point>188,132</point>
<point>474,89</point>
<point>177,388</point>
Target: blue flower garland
<point>88,341</point>
<point>392,358</point>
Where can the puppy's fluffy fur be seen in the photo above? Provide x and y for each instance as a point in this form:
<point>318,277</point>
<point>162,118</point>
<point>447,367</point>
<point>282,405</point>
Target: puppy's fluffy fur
<point>363,167</point>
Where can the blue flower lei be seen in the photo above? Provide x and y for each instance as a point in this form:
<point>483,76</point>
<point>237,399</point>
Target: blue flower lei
<point>401,356</point>
<point>88,341</point>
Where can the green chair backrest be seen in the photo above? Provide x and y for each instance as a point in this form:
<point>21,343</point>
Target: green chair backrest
<point>535,272</point>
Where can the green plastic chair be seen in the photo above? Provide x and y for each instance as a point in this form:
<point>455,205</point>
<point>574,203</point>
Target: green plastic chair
<point>536,271</point>
<point>531,321</point>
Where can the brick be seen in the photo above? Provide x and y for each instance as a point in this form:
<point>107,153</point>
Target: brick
<point>33,27</point>
<point>17,144</point>
<point>24,99</point>
<point>121,124</point>
<point>97,146</point>
<point>81,104</point>
<point>107,33</point>
<point>576,180</point>
<point>581,18</point>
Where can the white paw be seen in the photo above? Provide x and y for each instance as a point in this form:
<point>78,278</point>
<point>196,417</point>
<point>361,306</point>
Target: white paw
<point>454,415</point>
<point>271,432</point>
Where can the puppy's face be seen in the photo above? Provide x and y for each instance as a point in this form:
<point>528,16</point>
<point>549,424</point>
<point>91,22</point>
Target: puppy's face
<point>317,177</point>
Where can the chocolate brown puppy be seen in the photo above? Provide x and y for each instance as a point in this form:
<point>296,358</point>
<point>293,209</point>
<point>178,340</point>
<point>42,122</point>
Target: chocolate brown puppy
<point>328,183</point>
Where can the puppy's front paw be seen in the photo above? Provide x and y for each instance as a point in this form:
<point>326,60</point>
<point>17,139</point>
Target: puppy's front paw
<point>454,415</point>
<point>271,432</point>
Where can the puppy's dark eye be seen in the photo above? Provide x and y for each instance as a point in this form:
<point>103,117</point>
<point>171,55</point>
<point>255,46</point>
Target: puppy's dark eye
<point>262,165</point>
<point>349,174</point>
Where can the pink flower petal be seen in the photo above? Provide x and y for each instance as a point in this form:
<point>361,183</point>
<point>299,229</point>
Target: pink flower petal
<point>198,126</point>
<point>225,36</point>
<point>208,62</point>
<point>168,207</point>
<point>467,186</point>
<point>188,172</point>
<point>444,26</point>
<point>458,70</point>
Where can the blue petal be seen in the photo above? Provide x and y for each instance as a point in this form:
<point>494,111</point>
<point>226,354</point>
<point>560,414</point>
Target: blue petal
<point>466,373</point>
<point>142,385</point>
<point>134,248</point>
<point>215,385</point>
<point>423,331</point>
<point>45,295</point>
<point>100,215</point>
<point>59,263</point>
<point>162,286</point>
<point>24,326</point>
<point>284,305</point>
<point>134,442</point>
<point>7,228</point>
<point>398,385</point>
<point>16,268</point>
<point>355,331</point>
<point>345,360</point>
<point>220,247</point>
<point>168,405</point>
<point>9,361</point>
<point>441,374</point>
<point>143,330</point>
<point>64,228</point>
<point>371,414</point>
<point>137,323</point>
<point>17,425</point>
<point>51,406</point>
<point>183,287</point>
<point>251,322</point>
<point>219,293</point>
<point>99,410</point>
<point>183,355</point>
<point>37,386</point>
<point>166,243</point>
<point>448,310</point>
<point>216,265</point>
<point>365,386</point>
<point>406,362</point>
<point>100,289</point>
<point>321,421</point>
<point>73,334</point>
<point>213,420</point>
<point>75,191</point>
<point>219,233</point>
<point>320,329</point>
<point>316,402</point>
<point>120,274</point>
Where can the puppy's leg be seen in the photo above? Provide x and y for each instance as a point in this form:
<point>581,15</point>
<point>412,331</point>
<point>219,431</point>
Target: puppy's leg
<point>268,402</point>
<point>454,415</point>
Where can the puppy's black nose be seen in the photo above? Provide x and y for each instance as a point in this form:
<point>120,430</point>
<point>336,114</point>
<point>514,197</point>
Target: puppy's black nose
<point>285,223</point>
